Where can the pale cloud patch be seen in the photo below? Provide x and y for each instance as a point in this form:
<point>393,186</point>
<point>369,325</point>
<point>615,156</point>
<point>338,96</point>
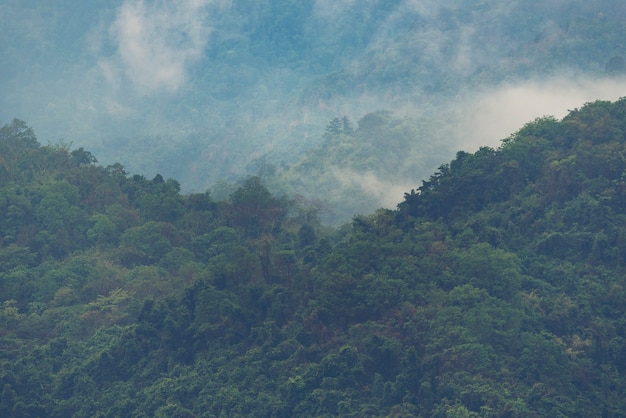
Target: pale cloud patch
<point>331,8</point>
<point>463,60</point>
<point>388,194</point>
<point>156,42</point>
<point>427,9</point>
<point>487,117</point>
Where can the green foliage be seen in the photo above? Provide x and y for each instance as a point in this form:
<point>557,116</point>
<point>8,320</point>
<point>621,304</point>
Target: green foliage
<point>145,244</point>
<point>495,289</point>
<point>17,138</point>
<point>103,232</point>
<point>254,210</point>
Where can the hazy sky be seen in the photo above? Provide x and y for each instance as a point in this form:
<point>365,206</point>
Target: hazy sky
<point>158,72</point>
<point>132,60</point>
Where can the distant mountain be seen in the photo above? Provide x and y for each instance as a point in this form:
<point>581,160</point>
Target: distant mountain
<point>202,91</point>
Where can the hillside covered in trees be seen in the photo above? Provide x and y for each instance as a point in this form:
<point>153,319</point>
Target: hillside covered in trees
<point>495,289</point>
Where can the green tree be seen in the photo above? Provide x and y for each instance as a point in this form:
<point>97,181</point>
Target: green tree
<point>493,269</point>
<point>253,209</point>
<point>103,232</point>
<point>17,137</point>
<point>145,244</point>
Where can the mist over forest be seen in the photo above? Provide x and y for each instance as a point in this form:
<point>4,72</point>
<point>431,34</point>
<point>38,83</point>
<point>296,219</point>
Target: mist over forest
<point>207,90</point>
<point>312,208</point>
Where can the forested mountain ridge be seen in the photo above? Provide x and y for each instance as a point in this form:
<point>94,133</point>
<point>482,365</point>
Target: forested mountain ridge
<point>495,289</point>
<point>201,90</point>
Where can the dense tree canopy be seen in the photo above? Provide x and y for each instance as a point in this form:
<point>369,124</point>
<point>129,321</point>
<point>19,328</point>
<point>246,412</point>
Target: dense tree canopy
<point>494,289</point>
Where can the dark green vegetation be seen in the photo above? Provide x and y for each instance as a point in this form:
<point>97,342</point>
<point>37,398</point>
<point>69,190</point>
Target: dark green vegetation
<point>496,289</point>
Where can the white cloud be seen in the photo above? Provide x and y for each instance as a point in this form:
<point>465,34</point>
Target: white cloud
<point>331,8</point>
<point>157,41</point>
<point>485,118</point>
<point>387,193</point>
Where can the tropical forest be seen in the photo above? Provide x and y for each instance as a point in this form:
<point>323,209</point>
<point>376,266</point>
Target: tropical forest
<point>313,208</point>
<point>494,289</point>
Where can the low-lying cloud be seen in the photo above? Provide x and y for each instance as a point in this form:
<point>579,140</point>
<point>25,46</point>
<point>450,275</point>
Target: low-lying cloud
<point>156,43</point>
<point>486,117</point>
<point>480,117</point>
<point>388,194</point>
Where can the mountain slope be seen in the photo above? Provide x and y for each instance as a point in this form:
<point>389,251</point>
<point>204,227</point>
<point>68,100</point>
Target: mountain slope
<point>494,289</point>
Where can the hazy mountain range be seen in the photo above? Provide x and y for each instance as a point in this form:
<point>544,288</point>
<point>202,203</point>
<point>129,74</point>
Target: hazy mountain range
<point>202,90</point>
